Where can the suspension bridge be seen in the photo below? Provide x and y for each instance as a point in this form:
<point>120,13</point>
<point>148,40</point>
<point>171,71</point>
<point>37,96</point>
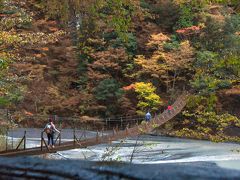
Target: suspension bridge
<point>121,128</point>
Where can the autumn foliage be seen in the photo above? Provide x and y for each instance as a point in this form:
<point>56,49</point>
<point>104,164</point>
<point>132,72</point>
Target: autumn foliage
<point>112,57</point>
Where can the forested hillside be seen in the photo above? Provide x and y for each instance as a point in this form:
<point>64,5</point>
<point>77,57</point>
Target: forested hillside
<point>102,58</point>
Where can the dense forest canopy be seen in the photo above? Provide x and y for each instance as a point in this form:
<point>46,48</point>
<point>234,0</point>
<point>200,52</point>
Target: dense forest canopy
<point>102,58</point>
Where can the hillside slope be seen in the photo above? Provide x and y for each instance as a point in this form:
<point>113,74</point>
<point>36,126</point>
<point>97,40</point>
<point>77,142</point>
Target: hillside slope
<point>114,57</point>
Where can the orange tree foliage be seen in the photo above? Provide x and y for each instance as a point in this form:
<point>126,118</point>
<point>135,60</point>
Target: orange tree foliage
<point>167,65</point>
<point>108,66</point>
<point>109,63</point>
<point>114,42</point>
<point>15,44</point>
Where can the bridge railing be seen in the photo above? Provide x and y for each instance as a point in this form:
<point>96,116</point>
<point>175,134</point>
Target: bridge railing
<point>83,137</point>
<point>39,121</point>
<point>83,129</point>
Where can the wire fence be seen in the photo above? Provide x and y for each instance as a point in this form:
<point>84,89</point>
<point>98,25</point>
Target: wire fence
<point>39,121</point>
<point>34,125</point>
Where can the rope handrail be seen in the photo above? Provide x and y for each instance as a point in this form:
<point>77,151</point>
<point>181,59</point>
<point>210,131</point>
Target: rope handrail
<point>145,127</point>
<point>65,118</point>
<point>75,118</point>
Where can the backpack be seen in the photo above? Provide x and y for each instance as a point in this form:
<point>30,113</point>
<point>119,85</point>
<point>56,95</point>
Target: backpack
<point>48,129</point>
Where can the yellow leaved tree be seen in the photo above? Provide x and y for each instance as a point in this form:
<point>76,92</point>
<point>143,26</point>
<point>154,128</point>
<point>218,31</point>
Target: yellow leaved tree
<point>147,98</point>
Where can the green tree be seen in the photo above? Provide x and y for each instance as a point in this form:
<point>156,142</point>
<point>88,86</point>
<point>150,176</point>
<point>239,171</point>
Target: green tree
<point>108,94</point>
<point>214,73</point>
<point>221,36</point>
<point>1,5</point>
<point>108,90</point>
<point>166,12</point>
<point>186,16</point>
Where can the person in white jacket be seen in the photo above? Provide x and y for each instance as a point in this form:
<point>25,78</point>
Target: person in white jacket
<point>148,116</point>
<point>50,130</point>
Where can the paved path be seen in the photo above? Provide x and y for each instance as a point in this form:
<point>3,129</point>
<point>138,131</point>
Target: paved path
<point>32,133</point>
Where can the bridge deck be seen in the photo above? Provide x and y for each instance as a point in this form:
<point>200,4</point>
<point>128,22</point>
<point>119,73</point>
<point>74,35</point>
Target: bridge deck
<point>178,105</point>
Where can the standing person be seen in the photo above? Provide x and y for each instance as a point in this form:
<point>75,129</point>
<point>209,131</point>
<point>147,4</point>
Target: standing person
<point>169,108</point>
<point>148,116</point>
<point>50,130</point>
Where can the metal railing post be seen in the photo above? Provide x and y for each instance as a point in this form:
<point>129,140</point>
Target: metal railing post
<point>41,141</point>
<point>93,128</point>
<point>126,131</point>
<point>114,131</point>
<point>74,137</point>
<point>12,139</point>
<point>8,116</point>
<point>60,123</point>
<point>24,146</point>
<point>60,138</point>
<point>106,123</point>
<point>97,137</point>
<point>84,132</point>
<point>6,140</point>
<point>121,123</point>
